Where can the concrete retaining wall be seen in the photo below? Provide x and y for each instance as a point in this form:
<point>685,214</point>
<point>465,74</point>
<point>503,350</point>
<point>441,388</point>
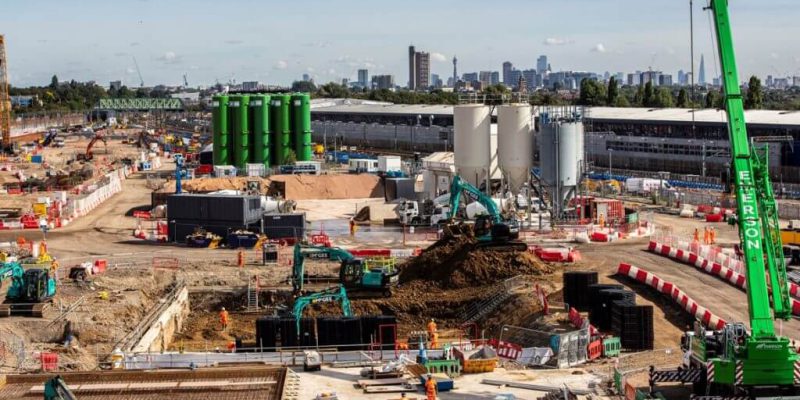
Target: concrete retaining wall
<point>159,336</point>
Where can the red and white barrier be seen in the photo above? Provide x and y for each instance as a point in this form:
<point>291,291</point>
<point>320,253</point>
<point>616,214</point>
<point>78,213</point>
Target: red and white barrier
<point>716,269</point>
<point>688,257</point>
<point>701,313</point>
<point>603,236</point>
<point>556,254</point>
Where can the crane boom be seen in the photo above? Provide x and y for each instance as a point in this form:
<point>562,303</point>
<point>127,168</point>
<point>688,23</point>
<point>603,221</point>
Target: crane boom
<point>138,71</point>
<point>761,359</point>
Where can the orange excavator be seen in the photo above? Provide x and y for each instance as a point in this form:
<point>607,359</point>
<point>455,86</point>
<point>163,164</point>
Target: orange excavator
<point>98,136</point>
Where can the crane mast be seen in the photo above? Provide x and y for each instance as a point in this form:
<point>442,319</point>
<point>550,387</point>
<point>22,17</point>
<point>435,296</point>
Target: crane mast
<point>762,358</point>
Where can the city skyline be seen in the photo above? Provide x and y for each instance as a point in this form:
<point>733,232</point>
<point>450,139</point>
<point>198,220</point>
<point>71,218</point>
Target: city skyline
<point>215,43</point>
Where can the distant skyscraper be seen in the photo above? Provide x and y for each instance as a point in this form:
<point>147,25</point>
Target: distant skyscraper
<point>363,77</point>
<point>455,71</point>
<point>495,78</point>
<point>412,63</point>
<point>530,78</point>
<point>514,78</point>
<point>470,77</point>
<point>436,82</point>
<point>541,65</point>
<point>383,81</point>
<point>115,85</point>
<point>485,77</point>
<point>665,80</point>
<point>306,77</point>
<point>702,73</point>
<point>419,69</point>
<point>507,68</point>
<point>681,78</point>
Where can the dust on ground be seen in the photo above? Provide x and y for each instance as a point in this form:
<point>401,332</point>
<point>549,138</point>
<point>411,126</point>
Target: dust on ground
<point>299,187</point>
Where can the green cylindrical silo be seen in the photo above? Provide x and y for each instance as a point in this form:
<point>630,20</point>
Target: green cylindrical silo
<point>239,105</point>
<point>219,122</point>
<point>259,131</point>
<point>281,128</point>
<point>301,114</point>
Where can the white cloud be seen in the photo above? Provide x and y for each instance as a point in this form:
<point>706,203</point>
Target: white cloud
<point>599,48</point>
<point>281,64</point>
<point>438,57</point>
<point>555,41</point>
<point>170,58</point>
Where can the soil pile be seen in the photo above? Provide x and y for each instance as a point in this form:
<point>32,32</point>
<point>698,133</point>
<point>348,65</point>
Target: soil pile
<point>455,262</point>
<point>299,187</point>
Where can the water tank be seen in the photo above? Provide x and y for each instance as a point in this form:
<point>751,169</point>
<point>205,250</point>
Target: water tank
<point>219,122</point>
<point>301,115</point>
<point>238,106</point>
<point>281,128</point>
<point>259,114</point>
<point>514,144</point>
<point>561,156</point>
<point>472,142</point>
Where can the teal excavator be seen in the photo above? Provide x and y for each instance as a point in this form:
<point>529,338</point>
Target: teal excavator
<point>29,292</point>
<point>740,361</point>
<point>332,294</point>
<point>491,229</point>
<point>354,273</point>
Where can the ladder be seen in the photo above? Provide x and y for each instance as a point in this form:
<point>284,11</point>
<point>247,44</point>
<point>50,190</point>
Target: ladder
<point>477,310</point>
<point>252,294</point>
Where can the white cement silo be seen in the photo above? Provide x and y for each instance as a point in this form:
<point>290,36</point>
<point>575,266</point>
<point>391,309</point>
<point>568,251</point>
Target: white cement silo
<point>561,149</point>
<point>515,144</point>
<point>472,142</point>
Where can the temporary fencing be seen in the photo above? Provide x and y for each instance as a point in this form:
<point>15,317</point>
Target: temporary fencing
<point>700,313</point>
<point>729,275</point>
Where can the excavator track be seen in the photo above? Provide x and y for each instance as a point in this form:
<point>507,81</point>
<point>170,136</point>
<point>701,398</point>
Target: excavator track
<point>30,310</point>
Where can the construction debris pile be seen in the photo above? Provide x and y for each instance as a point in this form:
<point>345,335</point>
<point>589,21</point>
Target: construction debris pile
<point>456,262</point>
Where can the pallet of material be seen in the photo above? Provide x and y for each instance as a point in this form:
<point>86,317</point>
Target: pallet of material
<point>389,389</point>
<point>381,382</point>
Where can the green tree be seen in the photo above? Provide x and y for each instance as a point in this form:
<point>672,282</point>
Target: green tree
<point>613,91</point>
<point>649,98</point>
<point>622,101</point>
<point>663,98</point>
<point>683,99</point>
<point>304,86</point>
<point>755,94</point>
<point>333,90</point>
<point>711,99</point>
<point>291,157</point>
<point>638,98</point>
<point>593,93</point>
<point>54,82</point>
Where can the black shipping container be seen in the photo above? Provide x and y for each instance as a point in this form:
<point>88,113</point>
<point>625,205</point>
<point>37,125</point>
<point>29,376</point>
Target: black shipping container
<point>281,226</point>
<point>399,188</point>
<point>234,210</point>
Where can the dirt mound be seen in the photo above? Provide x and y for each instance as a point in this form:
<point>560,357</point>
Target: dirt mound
<point>298,187</point>
<point>455,262</point>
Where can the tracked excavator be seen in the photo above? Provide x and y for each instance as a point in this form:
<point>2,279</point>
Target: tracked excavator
<point>354,273</point>
<point>491,230</point>
<point>29,292</point>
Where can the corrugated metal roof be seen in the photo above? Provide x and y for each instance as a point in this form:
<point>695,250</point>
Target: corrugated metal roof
<point>765,117</point>
<point>761,117</point>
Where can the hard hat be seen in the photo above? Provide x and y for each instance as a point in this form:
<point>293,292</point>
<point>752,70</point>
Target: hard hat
<point>223,308</point>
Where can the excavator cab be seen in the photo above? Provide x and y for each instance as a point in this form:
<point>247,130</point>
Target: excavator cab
<point>39,286</point>
<point>498,235</point>
<point>354,275</point>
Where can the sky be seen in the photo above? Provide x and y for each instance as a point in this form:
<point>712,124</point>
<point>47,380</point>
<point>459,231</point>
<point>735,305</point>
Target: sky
<point>276,42</point>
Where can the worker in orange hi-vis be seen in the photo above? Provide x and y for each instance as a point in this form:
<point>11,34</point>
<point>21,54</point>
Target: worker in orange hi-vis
<point>435,340</point>
<point>430,388</point>
<point>712,235</point>
<point>240,259</point>
<point>223,318</point>
<point>601,220</point>
<point>705,235</point>
<point>352,227</point>
<point>696,235</point>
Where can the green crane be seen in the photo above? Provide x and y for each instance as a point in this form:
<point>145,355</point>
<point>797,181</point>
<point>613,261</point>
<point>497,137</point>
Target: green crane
<point>758,362</point>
